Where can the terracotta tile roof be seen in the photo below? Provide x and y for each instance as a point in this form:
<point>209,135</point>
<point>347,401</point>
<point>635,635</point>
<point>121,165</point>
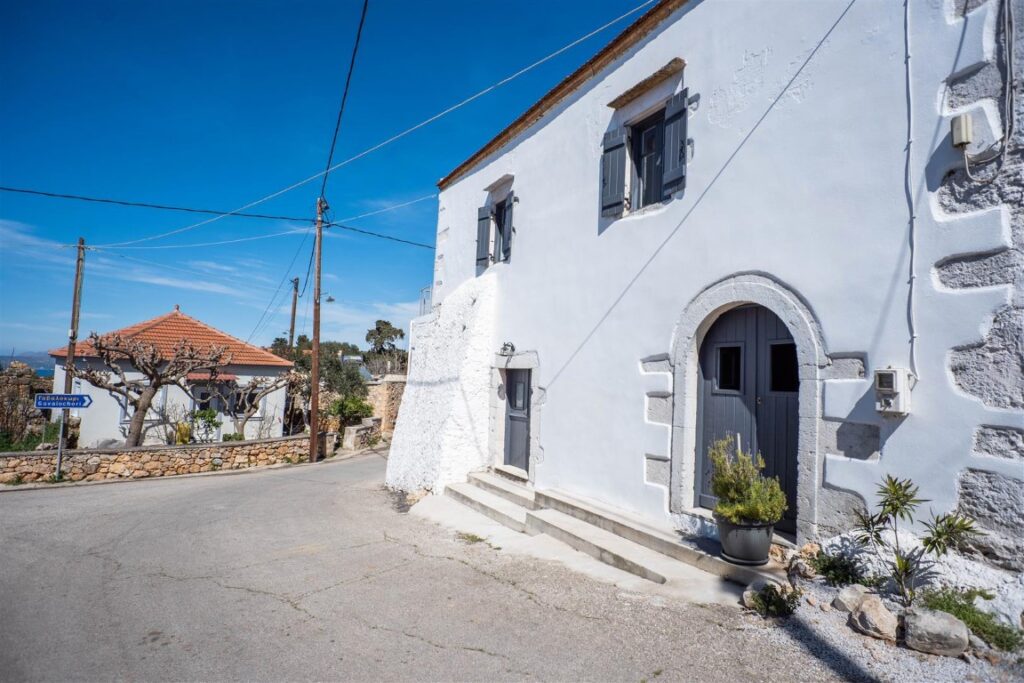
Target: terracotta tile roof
<point>167,330</point>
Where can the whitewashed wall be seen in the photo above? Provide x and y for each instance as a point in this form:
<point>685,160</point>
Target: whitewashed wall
<point>798,179</point>
<point>105,420</point>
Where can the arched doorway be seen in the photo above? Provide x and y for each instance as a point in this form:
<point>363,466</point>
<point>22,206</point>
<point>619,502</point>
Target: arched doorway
<point>749,388</point>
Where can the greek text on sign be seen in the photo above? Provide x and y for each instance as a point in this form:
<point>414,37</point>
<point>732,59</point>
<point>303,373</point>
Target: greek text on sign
<point>61,401</point>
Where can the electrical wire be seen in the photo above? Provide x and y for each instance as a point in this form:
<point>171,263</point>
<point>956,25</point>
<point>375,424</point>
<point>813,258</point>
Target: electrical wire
<point>148,205</point>
<point>988,154</point>
<point>425,197</point>
<point>395,137</point>
<point>344,97</point>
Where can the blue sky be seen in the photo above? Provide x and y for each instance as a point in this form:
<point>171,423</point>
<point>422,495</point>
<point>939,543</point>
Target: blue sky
<point>214,104</point>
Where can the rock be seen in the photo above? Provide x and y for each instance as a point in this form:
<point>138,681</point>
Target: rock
<point>825,607</point>
<point>46,447</point>
<point>8,477</point>
<point>850,597</point>
<point>801,568</point>
<point>91,465</point>
<point>218,462</point>
<point>810,550</point>
<point>872,618</point>
<point>811,601</point>
<point>936,633</point>
<point>753,589</point>
<point>977,643</point>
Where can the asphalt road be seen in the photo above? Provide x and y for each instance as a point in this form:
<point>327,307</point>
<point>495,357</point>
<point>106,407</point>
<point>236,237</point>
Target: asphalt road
<point>314,572</point>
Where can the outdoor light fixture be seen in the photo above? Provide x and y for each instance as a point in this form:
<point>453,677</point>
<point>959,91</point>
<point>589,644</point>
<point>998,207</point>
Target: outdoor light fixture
<point>507,349</point>
<point>330,299</point>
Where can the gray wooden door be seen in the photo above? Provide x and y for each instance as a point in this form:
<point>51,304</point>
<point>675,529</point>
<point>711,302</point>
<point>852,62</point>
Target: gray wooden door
<point>517,418</point>
<point>749,389</point>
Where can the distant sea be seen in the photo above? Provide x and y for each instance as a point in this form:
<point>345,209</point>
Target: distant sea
<point>38,361</point>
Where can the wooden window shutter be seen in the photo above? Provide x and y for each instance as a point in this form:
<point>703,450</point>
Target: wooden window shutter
<point>674,178</point>
<point>613,173</point>
<point>483,236</point>
<point>506,228</point>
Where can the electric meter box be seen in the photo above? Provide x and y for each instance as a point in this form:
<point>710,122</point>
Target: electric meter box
<point>892,391</point>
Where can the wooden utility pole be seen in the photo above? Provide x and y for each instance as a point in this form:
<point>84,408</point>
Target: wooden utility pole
<point>314,387</point>
<point>69,365</point>
<point>291,328</point>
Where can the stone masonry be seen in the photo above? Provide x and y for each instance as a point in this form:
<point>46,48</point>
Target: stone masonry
<point>153,461</point>
<point>385,395</point>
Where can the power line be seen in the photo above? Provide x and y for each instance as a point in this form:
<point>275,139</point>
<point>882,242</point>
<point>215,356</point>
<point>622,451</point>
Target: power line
<point>432,195</point>
<point>148,205</point>
<point>344,97</point>
<point>396,137</point>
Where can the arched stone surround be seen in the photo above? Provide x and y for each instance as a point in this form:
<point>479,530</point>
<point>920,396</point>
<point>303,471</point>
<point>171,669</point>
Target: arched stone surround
<point>693,324</point>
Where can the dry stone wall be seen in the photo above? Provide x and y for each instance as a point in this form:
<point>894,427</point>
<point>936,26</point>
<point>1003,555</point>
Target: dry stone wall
<point>385,395</point>
<point>158,461</point>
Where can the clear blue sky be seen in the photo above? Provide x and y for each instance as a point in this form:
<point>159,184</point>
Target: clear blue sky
<point>216,103</point>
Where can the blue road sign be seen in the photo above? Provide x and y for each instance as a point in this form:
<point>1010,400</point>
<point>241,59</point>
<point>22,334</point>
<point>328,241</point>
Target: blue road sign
<point>61,401</point>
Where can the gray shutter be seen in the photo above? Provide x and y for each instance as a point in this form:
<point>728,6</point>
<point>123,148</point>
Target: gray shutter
<point>506,236</point>
<point>483,236</point>
<point>613,173</point>
<point>674,178</point>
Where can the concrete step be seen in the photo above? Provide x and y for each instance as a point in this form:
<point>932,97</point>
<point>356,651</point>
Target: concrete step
<point>514,473</point>
<point>603,545</point>
<point>494,506</point>
<point>661,540</point>
<point>504,487</point>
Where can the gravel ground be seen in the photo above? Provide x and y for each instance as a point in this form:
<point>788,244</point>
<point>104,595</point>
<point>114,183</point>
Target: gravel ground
<point>826,635</point>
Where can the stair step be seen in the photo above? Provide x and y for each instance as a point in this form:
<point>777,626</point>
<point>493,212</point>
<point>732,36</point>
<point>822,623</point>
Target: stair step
<point>494,506</point>
<point>600,544</point>
<point>506,488</point>
<point>663,541</point>
<point>514,473</point>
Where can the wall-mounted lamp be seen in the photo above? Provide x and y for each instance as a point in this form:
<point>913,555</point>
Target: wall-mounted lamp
<point>507,349</point>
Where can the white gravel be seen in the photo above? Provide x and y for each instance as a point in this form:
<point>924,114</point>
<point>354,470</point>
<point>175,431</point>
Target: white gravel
<point>826,635</point>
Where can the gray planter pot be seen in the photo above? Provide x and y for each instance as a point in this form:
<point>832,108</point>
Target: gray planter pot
<point>746,544</point>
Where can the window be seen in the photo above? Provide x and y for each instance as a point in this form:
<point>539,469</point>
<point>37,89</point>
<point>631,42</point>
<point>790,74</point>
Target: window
<point>647,164</point>
<point>784,375</point>
<point>498,217</point>
<point>651,154</point>
<point>242,401</point>
<point>730,368</point>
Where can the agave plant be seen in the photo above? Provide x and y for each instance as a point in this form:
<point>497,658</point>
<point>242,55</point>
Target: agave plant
<point>897,502</point>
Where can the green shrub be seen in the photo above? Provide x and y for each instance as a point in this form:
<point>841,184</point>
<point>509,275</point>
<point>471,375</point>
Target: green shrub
<point>233,437</point>
<point>960,603</point>
<point>840,570</point>
<point>744,494</point>
<point>772,602</point>
<point>350,409</point>
<point>897,501</point>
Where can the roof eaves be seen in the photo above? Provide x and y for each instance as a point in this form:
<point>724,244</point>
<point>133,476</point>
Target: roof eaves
<point>622,42</point>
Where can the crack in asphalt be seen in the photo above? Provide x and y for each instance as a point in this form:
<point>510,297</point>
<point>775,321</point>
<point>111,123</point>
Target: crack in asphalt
<point>530,595</point>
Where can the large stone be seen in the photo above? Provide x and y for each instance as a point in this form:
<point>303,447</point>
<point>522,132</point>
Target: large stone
<point>872,618</point>
<point>936,633</point>
<point>849,598</point>
<point>754,588</point>
<point>8,477</point>
<point>91,465</point>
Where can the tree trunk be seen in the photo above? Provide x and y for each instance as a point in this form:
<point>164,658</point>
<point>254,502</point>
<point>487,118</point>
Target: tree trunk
<point>138,421</point>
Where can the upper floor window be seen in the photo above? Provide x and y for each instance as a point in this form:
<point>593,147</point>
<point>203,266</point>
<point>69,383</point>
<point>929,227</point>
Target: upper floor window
<point>644,163</point>
<point>494,231</point>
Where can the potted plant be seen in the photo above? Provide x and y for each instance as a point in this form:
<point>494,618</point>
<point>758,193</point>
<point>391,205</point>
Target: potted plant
<point>749,504</point>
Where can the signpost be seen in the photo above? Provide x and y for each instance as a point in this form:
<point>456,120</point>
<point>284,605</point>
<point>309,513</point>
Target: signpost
<point>62,402</point>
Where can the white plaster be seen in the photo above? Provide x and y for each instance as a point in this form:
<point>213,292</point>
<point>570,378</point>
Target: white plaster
<point>442,429</point>
<point>801,208</point>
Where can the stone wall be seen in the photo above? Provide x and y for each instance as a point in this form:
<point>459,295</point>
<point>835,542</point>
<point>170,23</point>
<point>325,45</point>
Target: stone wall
<point>152,461</point>
<point>385,395</point>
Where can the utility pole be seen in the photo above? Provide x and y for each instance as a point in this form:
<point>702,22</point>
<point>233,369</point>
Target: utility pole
<point>291,328</point>
<point>314,387</point>
<point>69,365</point>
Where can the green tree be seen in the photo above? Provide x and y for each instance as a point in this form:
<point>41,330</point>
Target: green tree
<point>279,347</point>
<point>341,378</point>
<point>382,337</point>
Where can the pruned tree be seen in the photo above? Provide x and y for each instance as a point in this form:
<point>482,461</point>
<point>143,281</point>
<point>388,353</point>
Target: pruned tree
<point>384,357</point>
<point>243,399</point>
<point>122,355</point>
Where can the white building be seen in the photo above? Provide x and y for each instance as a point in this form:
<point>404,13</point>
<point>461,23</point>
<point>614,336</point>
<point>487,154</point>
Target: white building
<point>727,222</point>
<point>106,421</point>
